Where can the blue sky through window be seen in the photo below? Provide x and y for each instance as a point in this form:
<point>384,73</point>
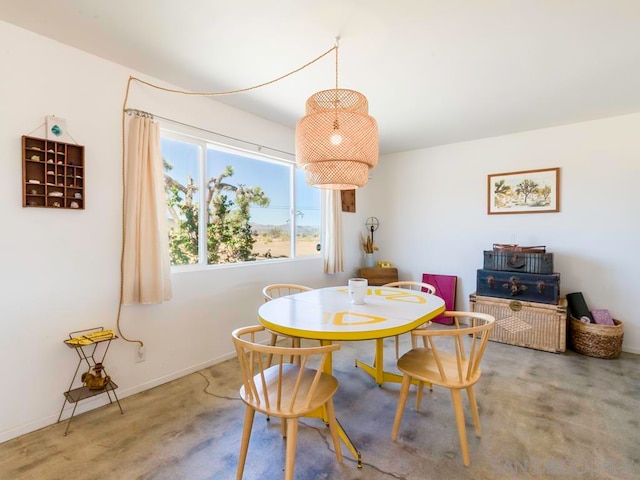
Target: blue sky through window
<point>272,177</point>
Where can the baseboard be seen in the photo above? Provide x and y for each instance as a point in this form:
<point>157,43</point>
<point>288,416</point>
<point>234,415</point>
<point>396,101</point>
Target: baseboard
<point>102,400</point>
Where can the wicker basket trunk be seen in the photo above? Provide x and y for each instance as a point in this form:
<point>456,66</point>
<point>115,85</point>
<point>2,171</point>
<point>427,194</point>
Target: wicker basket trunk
<point>600,341</point>
<point>526,324</point>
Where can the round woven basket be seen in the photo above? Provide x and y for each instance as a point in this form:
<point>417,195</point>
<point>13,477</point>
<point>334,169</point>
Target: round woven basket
<point>601,341</point>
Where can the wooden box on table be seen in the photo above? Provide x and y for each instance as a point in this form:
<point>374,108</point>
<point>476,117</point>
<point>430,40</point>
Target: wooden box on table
<point>526,324</point>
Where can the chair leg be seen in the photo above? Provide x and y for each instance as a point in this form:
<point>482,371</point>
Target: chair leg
<point>473,405</point>
<point>333,428</point>
<point>283,427</point>
<point>246,436</point>
<point>402,400</point>
<point>292,437</point>
<point>419,395</point>
<point>462,432</point>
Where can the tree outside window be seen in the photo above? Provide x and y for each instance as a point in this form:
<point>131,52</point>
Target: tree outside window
<point>245,206</point>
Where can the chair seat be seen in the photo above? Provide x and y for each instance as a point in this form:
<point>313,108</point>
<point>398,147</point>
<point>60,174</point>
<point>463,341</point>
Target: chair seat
<point>421,364</point>
<point>327,386</point>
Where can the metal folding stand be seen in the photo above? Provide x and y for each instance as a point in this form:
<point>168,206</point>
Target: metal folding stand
<point>85,343</point>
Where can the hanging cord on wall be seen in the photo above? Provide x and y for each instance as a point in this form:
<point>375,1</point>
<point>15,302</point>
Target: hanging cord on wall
<point>181,92</point>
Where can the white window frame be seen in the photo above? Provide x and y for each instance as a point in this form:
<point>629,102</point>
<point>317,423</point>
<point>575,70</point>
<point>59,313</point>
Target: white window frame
<point>203,143</point>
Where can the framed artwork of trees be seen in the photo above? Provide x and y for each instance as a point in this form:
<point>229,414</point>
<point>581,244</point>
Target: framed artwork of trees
<point>529,191</point>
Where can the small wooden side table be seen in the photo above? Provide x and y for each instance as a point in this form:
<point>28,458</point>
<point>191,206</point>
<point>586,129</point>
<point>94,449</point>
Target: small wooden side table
<point>379,276</point>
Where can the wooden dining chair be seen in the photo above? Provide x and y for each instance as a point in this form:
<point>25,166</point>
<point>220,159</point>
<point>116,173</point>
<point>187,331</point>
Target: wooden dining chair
<point>452,361</point>
<point>288,390</point>
<point>276,290</point>
<point>415,286</point>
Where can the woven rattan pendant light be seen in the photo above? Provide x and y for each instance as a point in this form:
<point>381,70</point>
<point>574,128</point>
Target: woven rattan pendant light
<point>337,140</point>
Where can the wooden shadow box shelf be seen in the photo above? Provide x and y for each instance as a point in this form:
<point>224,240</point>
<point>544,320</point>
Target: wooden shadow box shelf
<point>53,174</point>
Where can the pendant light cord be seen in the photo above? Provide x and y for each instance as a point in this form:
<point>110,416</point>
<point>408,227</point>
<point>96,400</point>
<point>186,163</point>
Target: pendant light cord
<point>194,94</point>
<point>240,90</point>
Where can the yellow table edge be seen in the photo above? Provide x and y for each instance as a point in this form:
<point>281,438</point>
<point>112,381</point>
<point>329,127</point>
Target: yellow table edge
<point>365,335</point>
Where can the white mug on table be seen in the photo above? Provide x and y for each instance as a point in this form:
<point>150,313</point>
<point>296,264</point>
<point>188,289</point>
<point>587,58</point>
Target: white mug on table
<point>358,290</point>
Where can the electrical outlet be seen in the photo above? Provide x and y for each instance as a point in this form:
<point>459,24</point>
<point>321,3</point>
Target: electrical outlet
<point>141,354</point>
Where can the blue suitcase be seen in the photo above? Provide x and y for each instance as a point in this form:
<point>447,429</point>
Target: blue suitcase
<point>529,287</point>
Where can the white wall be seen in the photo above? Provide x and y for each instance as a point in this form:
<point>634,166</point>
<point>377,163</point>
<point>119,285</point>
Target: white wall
<point>61,268</point>
<point>432,206</point>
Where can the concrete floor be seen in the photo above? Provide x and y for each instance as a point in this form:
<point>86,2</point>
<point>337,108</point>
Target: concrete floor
<point>543,415</point>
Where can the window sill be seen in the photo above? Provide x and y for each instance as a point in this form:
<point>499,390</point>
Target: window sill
<point>177,269</point>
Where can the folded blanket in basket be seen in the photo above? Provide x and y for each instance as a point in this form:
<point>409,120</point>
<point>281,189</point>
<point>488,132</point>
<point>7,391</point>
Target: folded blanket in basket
<point>602,317</point>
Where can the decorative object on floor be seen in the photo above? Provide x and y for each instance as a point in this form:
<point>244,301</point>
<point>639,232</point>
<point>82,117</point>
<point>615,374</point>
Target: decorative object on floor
<point>455,371</point>
<point>528,191</point>
<point>525,324</point>
<point>445,288</point>
<point>286,390</point>
<point>92,346</point>
<point>337,140</point>
<point>593,332</point>
<point>594,340</point>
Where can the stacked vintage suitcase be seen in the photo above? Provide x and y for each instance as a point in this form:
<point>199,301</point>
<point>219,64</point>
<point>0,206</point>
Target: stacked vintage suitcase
<point>520,289</point>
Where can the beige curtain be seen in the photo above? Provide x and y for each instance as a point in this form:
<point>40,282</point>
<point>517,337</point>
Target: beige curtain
<point>333,250</point>
<point>145,260</point>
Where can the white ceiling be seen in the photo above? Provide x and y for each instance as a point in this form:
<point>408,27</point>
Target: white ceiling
<point>434,71</point>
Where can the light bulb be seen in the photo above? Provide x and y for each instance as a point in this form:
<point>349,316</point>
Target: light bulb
<point>336,138</point>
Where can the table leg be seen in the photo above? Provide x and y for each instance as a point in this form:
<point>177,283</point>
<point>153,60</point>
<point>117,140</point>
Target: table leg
<point>377,369</point>
<point>322,413</point>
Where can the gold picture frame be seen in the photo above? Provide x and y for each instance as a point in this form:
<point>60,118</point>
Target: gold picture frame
<point>528,191</point>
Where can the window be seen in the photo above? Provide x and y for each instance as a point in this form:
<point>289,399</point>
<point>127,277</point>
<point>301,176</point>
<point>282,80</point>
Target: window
<point>226,205</point>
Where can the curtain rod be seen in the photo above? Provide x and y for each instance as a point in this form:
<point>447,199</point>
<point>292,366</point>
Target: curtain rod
<point>140,113</point>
